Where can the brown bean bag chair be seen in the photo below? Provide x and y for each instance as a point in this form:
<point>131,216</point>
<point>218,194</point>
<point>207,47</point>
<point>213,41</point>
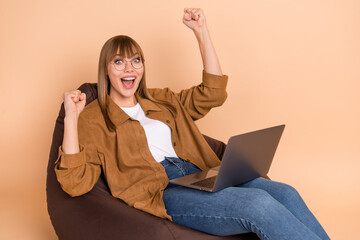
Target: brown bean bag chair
<point>99,215</point>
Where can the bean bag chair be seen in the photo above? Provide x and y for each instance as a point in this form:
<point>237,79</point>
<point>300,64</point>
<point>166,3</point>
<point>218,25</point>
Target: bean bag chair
<point>99,215</point>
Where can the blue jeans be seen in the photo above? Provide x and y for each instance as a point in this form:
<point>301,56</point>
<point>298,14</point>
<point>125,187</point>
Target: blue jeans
<point>270,209</point>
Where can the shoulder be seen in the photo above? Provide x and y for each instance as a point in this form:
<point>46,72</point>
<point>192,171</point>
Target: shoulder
<point>91,123</point>
<point>91,113</point>
<point>164,94</point>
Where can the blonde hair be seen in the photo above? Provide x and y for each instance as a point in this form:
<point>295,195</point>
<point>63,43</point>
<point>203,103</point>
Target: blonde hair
<point>124,46</point>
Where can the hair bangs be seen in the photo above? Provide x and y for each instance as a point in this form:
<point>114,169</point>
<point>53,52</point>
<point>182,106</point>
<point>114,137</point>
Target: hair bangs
<point>125,47</point>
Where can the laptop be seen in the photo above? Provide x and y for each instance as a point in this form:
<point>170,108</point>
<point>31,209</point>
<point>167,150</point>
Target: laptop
<point>246,157</point>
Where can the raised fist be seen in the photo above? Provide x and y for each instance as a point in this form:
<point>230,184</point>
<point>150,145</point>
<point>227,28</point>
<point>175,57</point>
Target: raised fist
<point>194,18</point>
<point>74,102</point>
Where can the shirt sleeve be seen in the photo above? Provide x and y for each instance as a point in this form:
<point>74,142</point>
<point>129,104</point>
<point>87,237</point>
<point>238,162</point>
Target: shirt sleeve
<point>78,173</point>
<point>198,100</point>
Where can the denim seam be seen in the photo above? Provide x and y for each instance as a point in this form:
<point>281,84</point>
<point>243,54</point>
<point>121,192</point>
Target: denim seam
<point>166,164</point>
<point>178,166</point>
<point>234,218</point>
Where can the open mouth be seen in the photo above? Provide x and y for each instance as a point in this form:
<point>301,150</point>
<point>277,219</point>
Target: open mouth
<point>128,82</point>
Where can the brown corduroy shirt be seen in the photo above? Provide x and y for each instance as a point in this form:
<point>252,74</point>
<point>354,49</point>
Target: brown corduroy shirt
<point>131,172</point>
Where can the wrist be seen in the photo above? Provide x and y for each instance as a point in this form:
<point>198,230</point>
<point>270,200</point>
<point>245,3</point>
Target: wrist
<point>71,118</point>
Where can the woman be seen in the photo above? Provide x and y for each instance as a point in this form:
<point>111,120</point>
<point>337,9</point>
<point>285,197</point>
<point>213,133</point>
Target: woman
<point>140,138</point>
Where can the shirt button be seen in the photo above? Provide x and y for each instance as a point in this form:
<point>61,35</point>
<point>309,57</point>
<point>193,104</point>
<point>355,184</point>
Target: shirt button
<point>168,121</point>
<point>147,113</point>
<point>174,143</point>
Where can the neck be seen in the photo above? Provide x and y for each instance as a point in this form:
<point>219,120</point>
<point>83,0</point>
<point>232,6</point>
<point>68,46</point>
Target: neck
<point>124,102</point>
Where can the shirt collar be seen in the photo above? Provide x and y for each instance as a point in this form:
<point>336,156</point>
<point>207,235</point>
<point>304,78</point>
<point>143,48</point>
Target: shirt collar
<point>147,105</point>
<point>118,116</point>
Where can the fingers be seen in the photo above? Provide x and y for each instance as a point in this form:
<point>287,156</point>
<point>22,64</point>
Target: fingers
<point>192,14</point>
<point>75,96</point>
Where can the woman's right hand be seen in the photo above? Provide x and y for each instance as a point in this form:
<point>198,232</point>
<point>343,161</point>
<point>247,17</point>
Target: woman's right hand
<point>74,103</point>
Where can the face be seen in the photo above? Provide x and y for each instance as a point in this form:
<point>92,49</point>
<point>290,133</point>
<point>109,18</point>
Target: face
<point>125,78</point>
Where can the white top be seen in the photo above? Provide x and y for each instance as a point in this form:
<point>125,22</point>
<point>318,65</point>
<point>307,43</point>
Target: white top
<point>158,134</point>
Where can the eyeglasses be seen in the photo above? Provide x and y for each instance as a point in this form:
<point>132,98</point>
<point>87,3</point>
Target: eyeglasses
<point>120,64</point>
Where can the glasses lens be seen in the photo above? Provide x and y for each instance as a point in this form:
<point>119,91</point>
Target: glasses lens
<point>136,63</point>
<point>120,65</point>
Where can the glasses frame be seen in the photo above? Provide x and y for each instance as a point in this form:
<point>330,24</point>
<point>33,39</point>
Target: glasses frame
<point>126,61</point>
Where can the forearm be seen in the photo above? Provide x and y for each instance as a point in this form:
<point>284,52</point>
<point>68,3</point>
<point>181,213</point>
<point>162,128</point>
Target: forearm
<point>77,167</point>
<point>208,54</point>
<point>70,143</point>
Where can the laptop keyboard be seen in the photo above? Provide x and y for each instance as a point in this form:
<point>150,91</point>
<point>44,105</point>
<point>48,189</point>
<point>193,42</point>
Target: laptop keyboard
<point>208,182</point>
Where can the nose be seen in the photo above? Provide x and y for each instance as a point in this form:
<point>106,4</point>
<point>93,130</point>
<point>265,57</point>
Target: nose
<point>128,67</point>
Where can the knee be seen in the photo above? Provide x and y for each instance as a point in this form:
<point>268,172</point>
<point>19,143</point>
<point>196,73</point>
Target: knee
<point>259,201</point>
<point>289,192</point>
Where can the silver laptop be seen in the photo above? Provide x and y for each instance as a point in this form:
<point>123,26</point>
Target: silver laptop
<point>246,157</point>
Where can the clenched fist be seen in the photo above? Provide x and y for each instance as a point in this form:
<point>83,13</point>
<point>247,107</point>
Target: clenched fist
<point>74,102</point>
<point>194,18</point>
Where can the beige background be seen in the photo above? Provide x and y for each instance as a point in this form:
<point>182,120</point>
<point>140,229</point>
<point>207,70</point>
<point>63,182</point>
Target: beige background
<point>292,62</point>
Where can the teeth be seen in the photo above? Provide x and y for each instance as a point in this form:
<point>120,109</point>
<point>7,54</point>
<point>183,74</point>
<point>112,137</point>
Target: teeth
<point>128,79</point>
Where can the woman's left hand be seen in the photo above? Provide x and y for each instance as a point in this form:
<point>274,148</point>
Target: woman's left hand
<point>194,18</point>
